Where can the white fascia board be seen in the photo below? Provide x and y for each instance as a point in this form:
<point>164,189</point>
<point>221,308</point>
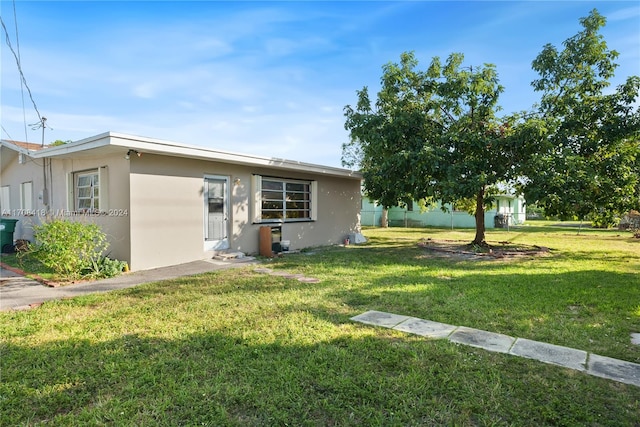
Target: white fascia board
<point>16,148</point>
<point>169,148</point>
<point>97,141</point>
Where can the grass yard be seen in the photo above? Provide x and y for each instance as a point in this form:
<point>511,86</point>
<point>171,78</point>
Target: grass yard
<point>243,348</point>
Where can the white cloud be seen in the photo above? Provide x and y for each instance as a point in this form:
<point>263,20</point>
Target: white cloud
<point>144,90</point>
<point>266,78</point>
<point>624,14</point>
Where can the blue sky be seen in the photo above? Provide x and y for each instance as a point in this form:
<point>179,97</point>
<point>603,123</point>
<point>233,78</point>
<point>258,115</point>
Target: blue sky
<point>264,78</point>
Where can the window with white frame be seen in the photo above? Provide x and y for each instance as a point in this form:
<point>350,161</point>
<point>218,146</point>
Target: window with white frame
<point>87,191</point>
<point>26,196</point>
<point>284,200</point>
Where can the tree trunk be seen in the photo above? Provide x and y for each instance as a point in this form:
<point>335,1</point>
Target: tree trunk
<point>384,221</point>
<point>479,239</point>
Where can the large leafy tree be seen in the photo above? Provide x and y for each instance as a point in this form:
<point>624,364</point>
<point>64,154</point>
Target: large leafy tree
<point>435,134</point>
<point>585,154</point>
<point>432,135</point>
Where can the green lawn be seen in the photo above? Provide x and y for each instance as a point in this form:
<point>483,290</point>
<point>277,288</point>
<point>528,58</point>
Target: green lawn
<point>239,347</point>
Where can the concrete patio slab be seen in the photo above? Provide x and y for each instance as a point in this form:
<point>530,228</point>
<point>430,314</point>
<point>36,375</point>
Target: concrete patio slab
<point>380,318</point>
<point>614,369</point>
<point>487,340</point>
<point>426,328</point>
<point>550,353</point>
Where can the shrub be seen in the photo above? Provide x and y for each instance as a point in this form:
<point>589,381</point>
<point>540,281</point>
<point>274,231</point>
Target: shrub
<point>604,219</point>
<point>106,267</point>
<point>71,249</point>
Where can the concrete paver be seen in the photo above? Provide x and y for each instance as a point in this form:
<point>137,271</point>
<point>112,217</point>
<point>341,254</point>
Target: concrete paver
<point>425,328</point>
<point>550,353</point>
<point>482,339</point>
<point>614,369</point>
<point>593,364</point>
<point>379,318</point>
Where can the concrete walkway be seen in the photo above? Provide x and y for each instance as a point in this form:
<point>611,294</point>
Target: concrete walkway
<point>592,364</point>
<point>19,293</point>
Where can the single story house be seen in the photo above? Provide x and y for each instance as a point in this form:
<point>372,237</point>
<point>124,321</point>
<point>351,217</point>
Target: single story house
<point>510,210</point>
<point>162,203</point>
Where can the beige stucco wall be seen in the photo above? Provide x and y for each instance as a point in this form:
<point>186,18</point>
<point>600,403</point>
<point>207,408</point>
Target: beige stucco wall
<point>115,223</point>
<point>155,214</point>
<point>13,174</point>
<point>338,215</point>
<point>167,210</point>
<point>114,220</point>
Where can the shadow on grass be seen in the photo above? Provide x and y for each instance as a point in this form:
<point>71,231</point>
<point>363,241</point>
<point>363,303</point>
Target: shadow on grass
<point>217,379</point>
<point>533,298</point>
<point>258,364</point>
<point>590,310</point>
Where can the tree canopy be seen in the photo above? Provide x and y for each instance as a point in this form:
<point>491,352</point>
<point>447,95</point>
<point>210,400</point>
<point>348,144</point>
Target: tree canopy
<point>436,135</point>
<point>432,134</point>
<point>584,159</point>
<point>59,142</point>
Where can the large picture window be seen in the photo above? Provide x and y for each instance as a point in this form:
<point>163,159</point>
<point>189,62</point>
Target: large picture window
<point>284,200</point>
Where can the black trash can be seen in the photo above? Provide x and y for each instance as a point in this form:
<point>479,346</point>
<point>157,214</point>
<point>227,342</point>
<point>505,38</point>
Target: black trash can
<point>7,227</point>
<point>500,221</point>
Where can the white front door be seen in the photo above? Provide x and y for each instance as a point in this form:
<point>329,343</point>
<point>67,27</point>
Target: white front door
<point>216,212</point>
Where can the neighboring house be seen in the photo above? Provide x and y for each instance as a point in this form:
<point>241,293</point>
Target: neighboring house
<point>510,208</point>
<point>163,203</point>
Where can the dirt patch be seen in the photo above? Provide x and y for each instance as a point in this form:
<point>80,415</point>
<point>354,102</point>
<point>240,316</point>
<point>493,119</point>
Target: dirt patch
<point>492,251</point>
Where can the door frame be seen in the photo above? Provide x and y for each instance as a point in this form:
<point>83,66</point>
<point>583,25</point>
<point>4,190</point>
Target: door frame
<point>212,245</point>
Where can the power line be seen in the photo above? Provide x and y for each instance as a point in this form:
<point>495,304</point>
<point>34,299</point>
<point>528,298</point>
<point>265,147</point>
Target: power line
<point>24,111</point>
<point>22,77</point>
<point>5,131</point>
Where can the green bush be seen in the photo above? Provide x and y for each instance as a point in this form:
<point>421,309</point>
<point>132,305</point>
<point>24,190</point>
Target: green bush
<point>106,267</point>
<point>604,219</point>
<point>72,249</point>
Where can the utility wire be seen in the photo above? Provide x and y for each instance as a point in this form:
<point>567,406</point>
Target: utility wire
<point>5,131</point>
<point>22,77</point>
<point>24,111</point>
